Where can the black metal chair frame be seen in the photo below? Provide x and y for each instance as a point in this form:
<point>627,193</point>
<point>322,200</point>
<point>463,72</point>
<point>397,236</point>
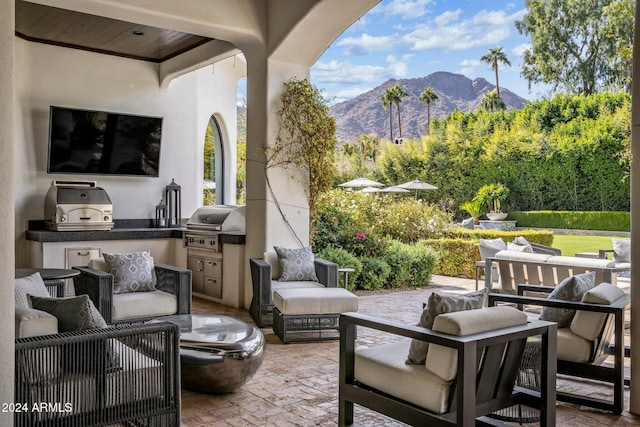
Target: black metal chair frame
<point>483,384</point>
<point>99,286</point>
<point>614,326</point>
<point>47,366</point>
<point>261,309</point>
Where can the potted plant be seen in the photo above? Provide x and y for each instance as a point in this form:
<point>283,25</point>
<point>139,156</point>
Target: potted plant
<point>475,208</point>
<point>492,196</point>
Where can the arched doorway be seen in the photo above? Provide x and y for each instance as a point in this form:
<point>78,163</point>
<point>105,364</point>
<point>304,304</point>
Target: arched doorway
<point>213,173</point>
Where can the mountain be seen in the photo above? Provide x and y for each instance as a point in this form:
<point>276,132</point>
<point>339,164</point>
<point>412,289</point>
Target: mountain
<point>364,114</point>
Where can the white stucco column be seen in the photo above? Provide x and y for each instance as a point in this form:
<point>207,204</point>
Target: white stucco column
<point>634,400</point>
<point>7,244</point>
<point>266,226</point>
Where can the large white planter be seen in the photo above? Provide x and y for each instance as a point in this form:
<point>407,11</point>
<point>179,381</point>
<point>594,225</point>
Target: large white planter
<point>497,216</point>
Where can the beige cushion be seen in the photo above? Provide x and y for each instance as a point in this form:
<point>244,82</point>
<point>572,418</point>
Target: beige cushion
<point>519,248</point>
<point>31,322</point>
<point>523,256</point>
<point>443,361</point>
<point>490,247</point>
<point>382,367</point>
<point>588,325</point>
<point>572,347</point>
<point>99,264</point>
<point>581,262</point>
<point>143,304</point>
<point>277,285</point>
<point>314,301</point>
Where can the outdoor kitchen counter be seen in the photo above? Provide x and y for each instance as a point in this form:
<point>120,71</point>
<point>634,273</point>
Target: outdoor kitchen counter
<point>124,234</point>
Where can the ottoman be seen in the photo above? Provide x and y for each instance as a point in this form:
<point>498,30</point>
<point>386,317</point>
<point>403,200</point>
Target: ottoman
<point>310,314</point>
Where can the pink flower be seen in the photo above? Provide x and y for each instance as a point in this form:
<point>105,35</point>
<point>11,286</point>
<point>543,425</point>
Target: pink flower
<point>359,236</point>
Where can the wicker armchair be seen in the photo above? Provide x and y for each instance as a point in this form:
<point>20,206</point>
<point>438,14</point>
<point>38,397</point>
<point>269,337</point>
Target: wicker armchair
<point>123,374</point>
<point>264,275</point>
<point>99,286</point>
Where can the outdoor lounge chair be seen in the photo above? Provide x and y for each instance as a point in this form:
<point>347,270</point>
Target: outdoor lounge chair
<point>584,346</point>
<point>448,389</point>
<point>172,294</point>
<point>265,277</point>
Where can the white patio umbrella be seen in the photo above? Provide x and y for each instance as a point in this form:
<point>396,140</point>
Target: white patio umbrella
<point>370,190</point>
<point>361,183</point>
<point>416,185</point>
<point>394,189</point>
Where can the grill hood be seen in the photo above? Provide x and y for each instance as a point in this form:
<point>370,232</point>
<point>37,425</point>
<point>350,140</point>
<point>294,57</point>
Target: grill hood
<point>218,218</point>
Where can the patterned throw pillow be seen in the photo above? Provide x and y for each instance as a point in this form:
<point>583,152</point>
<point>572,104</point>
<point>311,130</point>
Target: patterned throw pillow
<point>30,285</point>
<point>621,250</point>
<point>132,272</point>
<point>438,304</point>
<point>572,288</point>
<point>296,264</point>
<point>73,313</point>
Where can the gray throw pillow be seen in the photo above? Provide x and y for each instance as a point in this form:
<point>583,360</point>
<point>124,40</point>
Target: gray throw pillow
<point>30,285</point>
<point>73,313</point>
<point>296,264</point>
<point>132,272</point>
<point>440,303</point>
<point>572,288</point>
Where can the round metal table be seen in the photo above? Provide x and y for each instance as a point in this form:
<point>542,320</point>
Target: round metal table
<point>47,273</point>
<point>217,353</point>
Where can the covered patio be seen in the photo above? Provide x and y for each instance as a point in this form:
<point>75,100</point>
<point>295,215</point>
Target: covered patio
<point>297,384</point>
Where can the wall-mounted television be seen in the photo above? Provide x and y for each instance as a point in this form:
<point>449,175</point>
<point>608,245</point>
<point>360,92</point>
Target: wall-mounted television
<point>104,143</point>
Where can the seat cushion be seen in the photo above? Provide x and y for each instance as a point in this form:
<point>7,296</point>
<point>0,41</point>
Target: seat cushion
<point>277,285</point>
<point>143,304</point>
<point>572,347</point>
<point>314,301</point>
<point>382,367</point>
<point>31,322</point>
<point>439,303</point>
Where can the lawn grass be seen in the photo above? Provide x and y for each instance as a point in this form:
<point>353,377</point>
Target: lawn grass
<point>572,244</point>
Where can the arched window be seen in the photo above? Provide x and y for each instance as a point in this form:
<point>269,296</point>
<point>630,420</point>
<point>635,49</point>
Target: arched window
<point>213,192</point>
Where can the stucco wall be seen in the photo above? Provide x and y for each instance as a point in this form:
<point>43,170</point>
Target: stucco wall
<point>50,75</point>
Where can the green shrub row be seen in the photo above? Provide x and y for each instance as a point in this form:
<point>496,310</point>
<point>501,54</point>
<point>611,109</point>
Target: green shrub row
<point>593,220</point>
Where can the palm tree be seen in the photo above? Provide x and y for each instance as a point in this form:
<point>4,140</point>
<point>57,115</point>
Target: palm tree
<point>495,56</point>
<point>387,102</point>
<point>399,92</point>
<point>427,96</point>
<point>491,102</point>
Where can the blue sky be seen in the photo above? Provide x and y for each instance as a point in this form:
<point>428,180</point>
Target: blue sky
<point>413,38</point>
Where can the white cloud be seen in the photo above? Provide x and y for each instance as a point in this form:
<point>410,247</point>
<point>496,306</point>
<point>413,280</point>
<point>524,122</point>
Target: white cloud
<point>366,44</point>
<point>447,32</point>
<point>398,67</point>
<point>469,67</point>
<point>406,9</point>
<point>343,72</point>
<point>518,51</point>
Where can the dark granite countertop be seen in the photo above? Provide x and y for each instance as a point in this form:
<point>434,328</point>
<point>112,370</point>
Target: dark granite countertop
<point>123,230</point>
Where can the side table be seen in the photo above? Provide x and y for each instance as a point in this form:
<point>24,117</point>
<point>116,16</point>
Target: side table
<point>345,273</point>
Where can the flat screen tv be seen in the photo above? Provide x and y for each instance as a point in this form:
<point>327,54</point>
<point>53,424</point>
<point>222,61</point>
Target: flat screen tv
<point>99,142</point>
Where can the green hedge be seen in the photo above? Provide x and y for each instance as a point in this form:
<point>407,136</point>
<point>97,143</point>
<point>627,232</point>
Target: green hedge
<point>592,220</point>
<point>543,237</point>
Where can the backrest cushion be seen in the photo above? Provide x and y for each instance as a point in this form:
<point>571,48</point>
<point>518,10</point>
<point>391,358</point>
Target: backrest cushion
<point>519,248</point>
<point>272,259</point>
<point>588,324</point>
<point>73,313</point>
<point>296,264</point>
<point>30,285</point>
<point>571,288</point>
<point>132,272</point>
<point>621,250</point>
<point>99,264</point>
<point>443,361</point>
<point>490,247</point>
<point>437,304</point>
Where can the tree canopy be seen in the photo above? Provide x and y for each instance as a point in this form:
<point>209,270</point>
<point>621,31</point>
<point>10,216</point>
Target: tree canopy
<point>572,47</point>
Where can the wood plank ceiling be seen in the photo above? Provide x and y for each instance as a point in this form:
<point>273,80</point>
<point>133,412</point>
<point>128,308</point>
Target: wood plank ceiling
<point>77,30</point>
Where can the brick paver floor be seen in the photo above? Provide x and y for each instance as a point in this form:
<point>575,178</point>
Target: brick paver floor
<point>297,385</point>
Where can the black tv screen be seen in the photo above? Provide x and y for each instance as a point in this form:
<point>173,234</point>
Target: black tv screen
<point>98,142</point>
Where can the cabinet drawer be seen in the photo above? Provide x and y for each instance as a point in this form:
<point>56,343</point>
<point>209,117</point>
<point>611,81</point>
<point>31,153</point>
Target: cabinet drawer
<point>213,267</point>
<point>213,286</point>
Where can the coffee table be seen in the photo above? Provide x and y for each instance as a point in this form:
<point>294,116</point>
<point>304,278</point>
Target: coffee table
<point>218,353</point>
